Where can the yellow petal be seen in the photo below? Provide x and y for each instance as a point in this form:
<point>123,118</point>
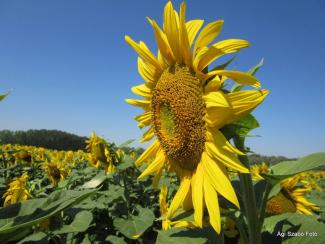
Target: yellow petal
<point>221,142</point>
<point>197,195</point>
<point>216,99</point>
<point>179,196</point>
<point>162,42</point>
<point>211,201</point>
<point>217,116</point>
<point>145,104</point>
<point>240,77</point>
<point>216,175</point>
<point>163,200</point>
<point>150,152</point>
<point>184,40</point>
<point>144,119</point>
<point>142,90</point>
<point>213,85</point>
<point>219,49</point>
<point>228,159</point>
<point>156,178</point>
<point>155,165</point>
<point>147,72</point>
<point>143,52</point>
<point>192,27</point>
<point>243,102</point>
<point>183,224</point>
<point>171,30</point>
<point>188,203</point>
<point>148,135</point>
<point>207,35</point>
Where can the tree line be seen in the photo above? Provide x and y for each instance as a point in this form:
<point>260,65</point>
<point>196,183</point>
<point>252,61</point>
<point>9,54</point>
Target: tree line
<point>60,140</point>
<point>51,139</point>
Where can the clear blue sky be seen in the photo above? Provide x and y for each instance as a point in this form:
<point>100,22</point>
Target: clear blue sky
<point>69,68</point>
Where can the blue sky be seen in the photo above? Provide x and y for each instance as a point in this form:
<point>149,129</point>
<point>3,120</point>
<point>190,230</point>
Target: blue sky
<point>69,68</point>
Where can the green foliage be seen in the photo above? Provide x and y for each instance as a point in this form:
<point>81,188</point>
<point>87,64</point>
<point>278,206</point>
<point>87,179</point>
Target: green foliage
<point>90,206</point>
<point>308,228</point>
<point>3,96</point>
<point>135,225</point>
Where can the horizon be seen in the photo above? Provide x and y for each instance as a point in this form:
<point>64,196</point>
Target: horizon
<point>68,67</point>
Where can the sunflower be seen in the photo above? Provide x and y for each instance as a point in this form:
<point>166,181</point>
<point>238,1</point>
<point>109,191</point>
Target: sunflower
<point>56,171</point>
<point>185,105</point>
<point>17,191</point>
<point>258,169</point>
<point>291,199</point>
<point>101,154</point>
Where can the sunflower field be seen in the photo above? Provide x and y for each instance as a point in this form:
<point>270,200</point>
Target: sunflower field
<point>192,184</point>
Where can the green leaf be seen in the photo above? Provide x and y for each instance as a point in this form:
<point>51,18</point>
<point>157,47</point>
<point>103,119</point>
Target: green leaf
<point>307,226</point>
<point>186,236</point>
<point>80,223</point>
<point>127,162</point>
<point>39,237</point>
<point>240,128</point>
<point>306,163</point>
<point>3,96</point>
<point>31,212</point>
<point>135,225</point>
<point>96,181</point>
<point>254,69</point>
<point>115,240</point>
<point>128,142</point>
<point>224,65</point>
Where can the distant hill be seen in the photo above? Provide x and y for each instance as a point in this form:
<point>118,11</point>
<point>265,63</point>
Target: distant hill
<point>269,160</point>
<point>51,139</point>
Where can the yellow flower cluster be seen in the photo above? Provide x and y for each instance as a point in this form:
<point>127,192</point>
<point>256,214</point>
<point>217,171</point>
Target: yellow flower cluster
<point>17,191</point>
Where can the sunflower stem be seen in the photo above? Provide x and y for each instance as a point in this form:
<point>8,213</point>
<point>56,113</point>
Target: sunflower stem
<point>248,195</point>
<point>263,207</point>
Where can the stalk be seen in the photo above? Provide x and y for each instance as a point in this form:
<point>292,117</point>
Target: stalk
<point>248,194</point>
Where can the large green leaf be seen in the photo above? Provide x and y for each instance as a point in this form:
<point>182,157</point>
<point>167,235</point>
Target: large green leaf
<point>290,224</point>
<point>115,240</point>
<point>38,237</point>
<point>309,162</point>
<point>31,212</point>
<point>135,225</point>
<point>96,181</point>
<point>80,223</point>
<point>187,236</point>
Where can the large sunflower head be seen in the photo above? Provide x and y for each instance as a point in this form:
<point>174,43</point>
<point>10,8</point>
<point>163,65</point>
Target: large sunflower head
<point>291,199</point>
<point>185,104</point>
<point>17,191</point>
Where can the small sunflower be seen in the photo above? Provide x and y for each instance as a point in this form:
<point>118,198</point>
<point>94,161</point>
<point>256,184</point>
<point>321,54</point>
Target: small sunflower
<point>258,169</point>
<point>291,199</point>
<point>101,154</point>
<point>56,171</point>
<point>185,105</point>
<point>17,191</point>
